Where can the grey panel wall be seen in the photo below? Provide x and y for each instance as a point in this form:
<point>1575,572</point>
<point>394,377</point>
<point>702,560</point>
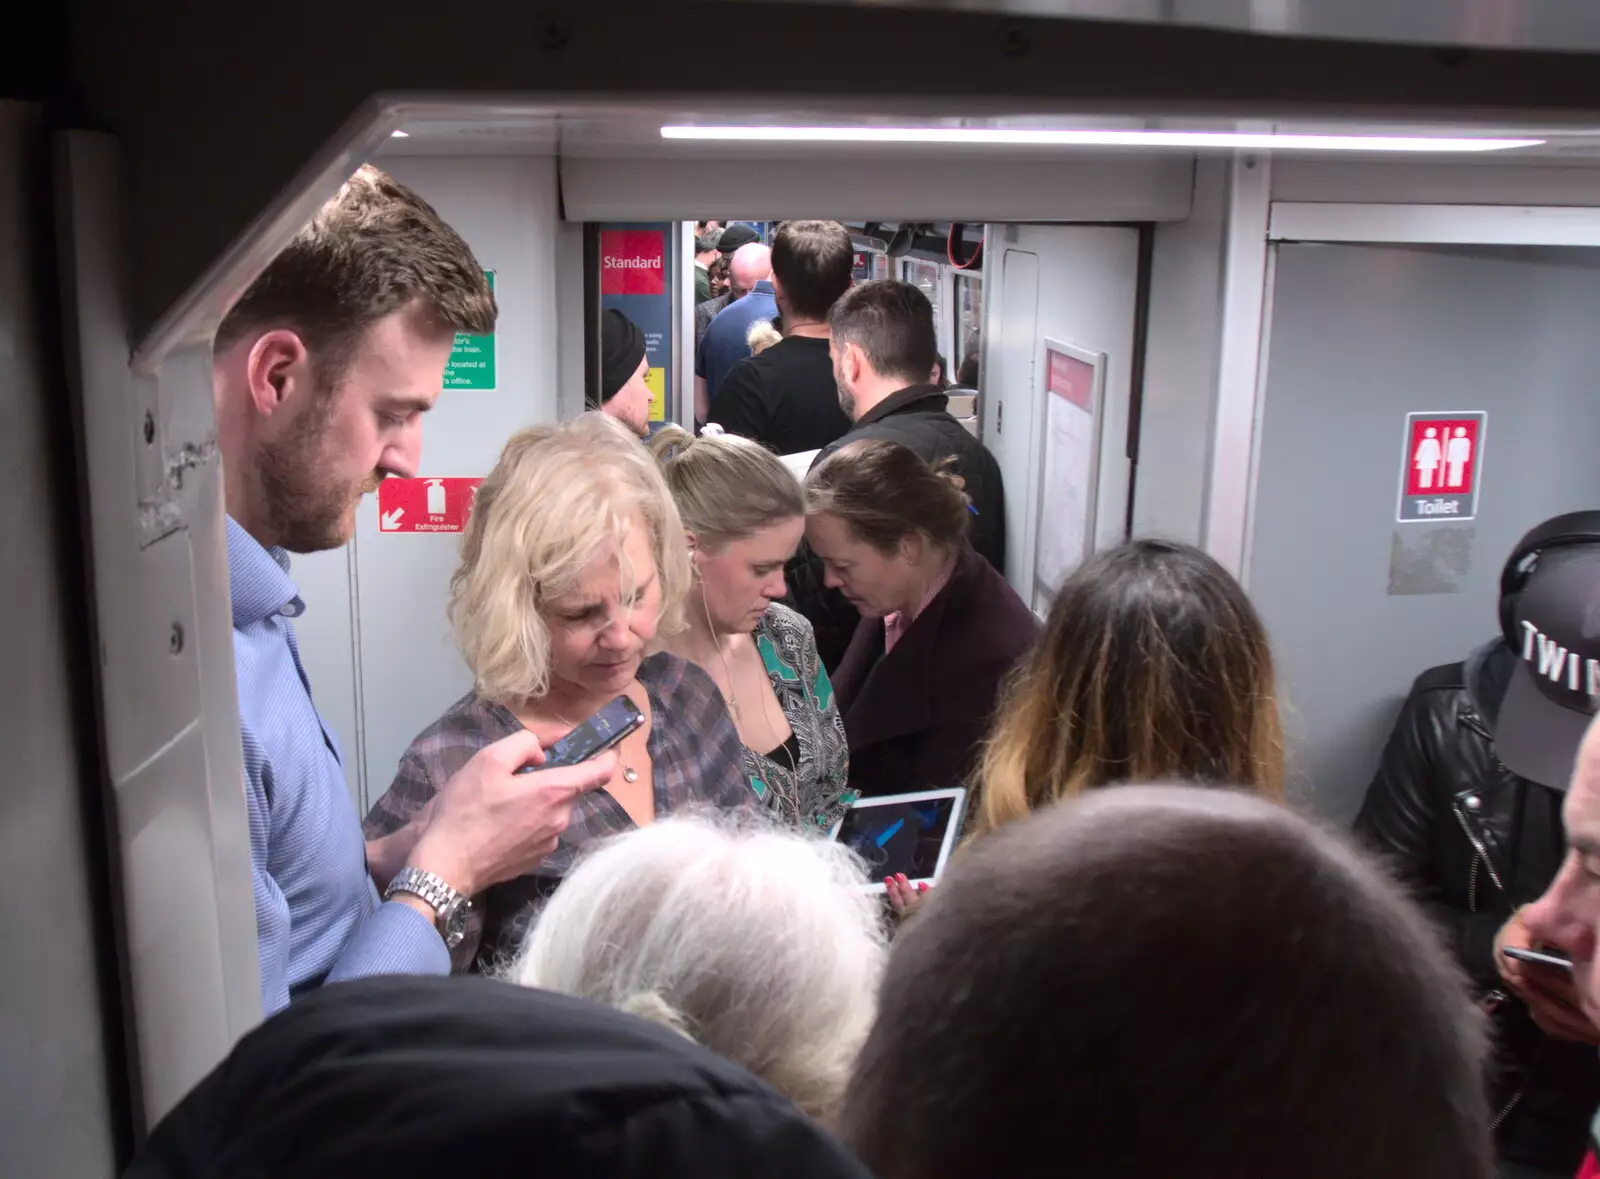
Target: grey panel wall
<point>1077,283</point>
<point>1180,375</point>
<point>1360,335</point>
<point>55,1107</point>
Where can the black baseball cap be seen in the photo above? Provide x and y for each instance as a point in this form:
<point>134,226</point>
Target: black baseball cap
<point>1555,687</point>
<point>736,235</point>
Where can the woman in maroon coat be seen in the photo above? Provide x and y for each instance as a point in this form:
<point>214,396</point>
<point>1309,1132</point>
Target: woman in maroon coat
<point>940,629</point>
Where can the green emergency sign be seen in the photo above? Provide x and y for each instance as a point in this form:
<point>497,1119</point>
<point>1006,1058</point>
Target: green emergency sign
<point>471,363</point>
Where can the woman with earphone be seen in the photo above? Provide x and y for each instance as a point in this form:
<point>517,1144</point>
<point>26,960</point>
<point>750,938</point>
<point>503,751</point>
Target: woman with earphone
<point>744,514</point>
<point>1467,805</point>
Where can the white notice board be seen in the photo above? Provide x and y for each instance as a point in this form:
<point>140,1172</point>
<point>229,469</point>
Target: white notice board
<point>1069,460</point>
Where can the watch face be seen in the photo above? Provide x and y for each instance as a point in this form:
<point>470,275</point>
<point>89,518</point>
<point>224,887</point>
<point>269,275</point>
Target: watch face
<point>454,923</point>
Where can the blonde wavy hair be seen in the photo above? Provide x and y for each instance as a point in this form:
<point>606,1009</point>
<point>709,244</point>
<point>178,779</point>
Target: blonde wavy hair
<point>1153,667</point>
<point>726,487</point>
<point>558,497</point>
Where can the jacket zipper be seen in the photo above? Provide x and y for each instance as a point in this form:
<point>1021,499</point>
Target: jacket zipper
<point>1478,846</point>
<point>1495,997</point>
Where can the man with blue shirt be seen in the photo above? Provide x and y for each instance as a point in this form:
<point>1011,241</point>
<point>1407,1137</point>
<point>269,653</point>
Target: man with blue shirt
<point>321,374</point>
<point>726,341</point>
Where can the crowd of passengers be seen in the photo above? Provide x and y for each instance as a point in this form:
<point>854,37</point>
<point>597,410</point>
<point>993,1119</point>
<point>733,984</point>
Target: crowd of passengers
<point>681,974</point>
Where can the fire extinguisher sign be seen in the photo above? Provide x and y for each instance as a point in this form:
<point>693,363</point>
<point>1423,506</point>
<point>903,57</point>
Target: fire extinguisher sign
<point>425,505</point>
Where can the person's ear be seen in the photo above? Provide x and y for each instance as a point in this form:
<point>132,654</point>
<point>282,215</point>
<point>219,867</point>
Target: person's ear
<point>855,362</point>
<point>911,547</point>
<point>278,371</point>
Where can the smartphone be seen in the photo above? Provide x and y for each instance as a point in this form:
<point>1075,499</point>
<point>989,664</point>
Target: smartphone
<point>1542,957</point>
<point>600,732</point>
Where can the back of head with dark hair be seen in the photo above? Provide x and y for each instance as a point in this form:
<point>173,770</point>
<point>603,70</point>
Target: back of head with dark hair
<point>1170,981</point>
<point>892,322</point>
<point>886,492</point>
<point>374,248</point>
<point>811,262</point>
<point>1153,665</point>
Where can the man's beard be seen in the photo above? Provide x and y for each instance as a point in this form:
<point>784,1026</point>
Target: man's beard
<point>304,504</point>
<point>847,401</point>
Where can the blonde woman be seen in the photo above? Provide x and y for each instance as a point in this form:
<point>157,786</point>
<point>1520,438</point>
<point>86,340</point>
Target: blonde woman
<point>743,514</point>
<point>573,562</point>
<point>1153,667</point>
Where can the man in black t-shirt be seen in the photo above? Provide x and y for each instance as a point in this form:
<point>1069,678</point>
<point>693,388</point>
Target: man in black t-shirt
<point>786,397</point>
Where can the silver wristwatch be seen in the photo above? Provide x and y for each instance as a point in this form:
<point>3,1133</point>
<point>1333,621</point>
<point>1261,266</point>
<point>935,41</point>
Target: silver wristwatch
<point>450,908</point>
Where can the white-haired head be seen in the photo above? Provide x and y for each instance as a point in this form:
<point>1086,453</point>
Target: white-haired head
<point>756,941</point>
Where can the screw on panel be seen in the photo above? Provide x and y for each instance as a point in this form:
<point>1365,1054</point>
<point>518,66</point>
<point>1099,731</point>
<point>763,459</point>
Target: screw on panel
<point>175,639</point>
<point>149,428</point>
<point>1015,41</point>
<point>552,30</point>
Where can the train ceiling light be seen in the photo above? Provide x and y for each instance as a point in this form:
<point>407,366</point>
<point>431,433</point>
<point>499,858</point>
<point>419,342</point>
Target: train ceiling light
<point>1067,137</point>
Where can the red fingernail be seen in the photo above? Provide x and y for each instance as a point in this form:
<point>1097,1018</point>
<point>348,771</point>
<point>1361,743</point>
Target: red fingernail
<point>923,887</point>
<point>888,880</point>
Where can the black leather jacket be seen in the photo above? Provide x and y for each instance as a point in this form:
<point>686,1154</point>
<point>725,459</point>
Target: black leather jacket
<point>1475,841</point>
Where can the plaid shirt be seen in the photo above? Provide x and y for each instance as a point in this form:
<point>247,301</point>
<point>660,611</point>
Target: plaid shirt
<point>695,757</point>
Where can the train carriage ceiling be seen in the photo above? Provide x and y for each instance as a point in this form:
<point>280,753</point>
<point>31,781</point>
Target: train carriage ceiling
<point>1505,24</point>
<point>227,109</point>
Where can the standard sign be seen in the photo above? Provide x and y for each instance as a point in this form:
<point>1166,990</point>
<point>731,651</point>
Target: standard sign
<point>1441,466</point>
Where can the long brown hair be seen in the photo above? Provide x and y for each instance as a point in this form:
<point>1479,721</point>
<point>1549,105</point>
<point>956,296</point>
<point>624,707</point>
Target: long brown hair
<point>1153,666</point>
<point>886,492</point>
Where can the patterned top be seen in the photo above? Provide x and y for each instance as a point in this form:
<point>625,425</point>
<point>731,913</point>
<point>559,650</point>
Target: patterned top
<point>814,793</point>
<point>695,757</point>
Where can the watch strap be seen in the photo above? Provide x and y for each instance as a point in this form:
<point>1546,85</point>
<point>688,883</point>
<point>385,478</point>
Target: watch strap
<point>429,887</point>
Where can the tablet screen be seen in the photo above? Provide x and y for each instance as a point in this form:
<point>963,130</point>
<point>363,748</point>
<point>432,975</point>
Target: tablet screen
<point>898,836</point>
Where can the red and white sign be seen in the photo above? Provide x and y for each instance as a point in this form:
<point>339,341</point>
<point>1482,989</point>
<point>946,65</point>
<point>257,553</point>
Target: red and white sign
<point>1441,465</point>
<point>633,262</point>
<point>1071,378</point>
<point>425,505</point>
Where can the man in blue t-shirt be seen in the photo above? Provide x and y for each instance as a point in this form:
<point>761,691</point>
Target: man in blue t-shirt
<point>725,344</point>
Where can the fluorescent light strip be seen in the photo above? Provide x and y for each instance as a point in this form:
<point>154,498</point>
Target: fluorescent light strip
<point>1069,138</point>
<point>399,134</point>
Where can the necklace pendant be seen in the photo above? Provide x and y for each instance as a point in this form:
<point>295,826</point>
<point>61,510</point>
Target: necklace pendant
<point>629,774</point>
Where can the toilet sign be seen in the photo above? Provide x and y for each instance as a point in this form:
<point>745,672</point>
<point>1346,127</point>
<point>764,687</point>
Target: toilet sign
<point>1441,466</point>
<point>425,505</point>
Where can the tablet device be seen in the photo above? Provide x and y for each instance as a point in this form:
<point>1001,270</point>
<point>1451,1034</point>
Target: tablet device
<point>904,833</point>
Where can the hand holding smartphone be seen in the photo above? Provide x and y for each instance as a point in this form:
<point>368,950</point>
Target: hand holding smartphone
<point>595,735</point>
<point>1547,958</point>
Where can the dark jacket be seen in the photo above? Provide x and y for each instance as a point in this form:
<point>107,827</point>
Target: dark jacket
<point>424,1078</point>
<point>1475,841</point>
<point>916,418</point>
<point>916,716</point>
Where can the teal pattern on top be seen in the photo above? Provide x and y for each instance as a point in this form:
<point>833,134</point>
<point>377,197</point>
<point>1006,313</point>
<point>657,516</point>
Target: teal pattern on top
<point>814,793</point>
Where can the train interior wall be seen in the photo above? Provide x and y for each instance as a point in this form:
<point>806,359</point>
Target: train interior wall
<point>1359,603</point>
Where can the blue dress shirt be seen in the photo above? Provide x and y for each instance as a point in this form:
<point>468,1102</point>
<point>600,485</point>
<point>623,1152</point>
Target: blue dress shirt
<point>318,916</point>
